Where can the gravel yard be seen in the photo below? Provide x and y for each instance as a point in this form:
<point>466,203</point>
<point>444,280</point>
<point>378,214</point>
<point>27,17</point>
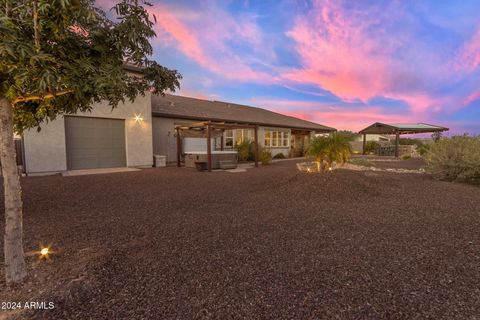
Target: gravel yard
<point>269,243</point>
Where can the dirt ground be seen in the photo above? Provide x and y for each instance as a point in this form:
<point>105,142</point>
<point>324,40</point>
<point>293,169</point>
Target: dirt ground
<point>269,243</point>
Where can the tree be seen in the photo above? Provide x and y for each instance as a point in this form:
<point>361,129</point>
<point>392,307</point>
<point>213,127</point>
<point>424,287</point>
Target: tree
<point>333,148</point>
<point>58,57</point>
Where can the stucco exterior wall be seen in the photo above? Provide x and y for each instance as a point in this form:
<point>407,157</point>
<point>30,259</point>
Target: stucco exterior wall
<point>45,151</point>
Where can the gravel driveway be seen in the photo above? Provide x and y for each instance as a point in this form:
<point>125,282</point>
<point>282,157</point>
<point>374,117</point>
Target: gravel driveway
<point>269,243</point>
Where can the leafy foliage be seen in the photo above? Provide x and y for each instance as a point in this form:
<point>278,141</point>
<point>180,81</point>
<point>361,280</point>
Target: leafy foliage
<point>246,150</point>
<point>60,56</point>
<point>455,159</point>
<point>371,146</point>
<point>265,156</point>
<point>279,156</point>
<point>326,150</point>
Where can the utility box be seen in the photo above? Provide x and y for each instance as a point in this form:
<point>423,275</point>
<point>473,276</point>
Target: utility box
<point>160,161</point>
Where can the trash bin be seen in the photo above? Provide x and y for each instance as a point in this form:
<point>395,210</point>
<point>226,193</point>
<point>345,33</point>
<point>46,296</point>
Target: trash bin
<point>160,161</point>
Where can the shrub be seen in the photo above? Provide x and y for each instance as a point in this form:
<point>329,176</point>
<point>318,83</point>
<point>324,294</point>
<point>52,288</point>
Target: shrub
<point>264,155</point>
<point>455,159</point>
<point>246,150</point>
<point>334,148</point>
<point>371,146</point>
<point>279,156</point>
<point>406,157</point>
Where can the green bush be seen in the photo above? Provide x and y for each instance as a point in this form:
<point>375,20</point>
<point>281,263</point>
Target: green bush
<point>411,142</point>
<point>406,157</point>
<point>371,146</point>
<point>334,148</point>
<point>264,155</point>
<point>246,150</point>
<point>279,156</point>
<point>455,159</point>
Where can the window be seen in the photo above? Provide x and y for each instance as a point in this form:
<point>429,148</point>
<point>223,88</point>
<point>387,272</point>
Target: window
<point>277,138</point>
<point>242,135</point>
<point>268,138</point>
<point>228,138</point>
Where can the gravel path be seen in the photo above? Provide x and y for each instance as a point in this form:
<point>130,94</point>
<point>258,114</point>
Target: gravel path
<point>269,243</point>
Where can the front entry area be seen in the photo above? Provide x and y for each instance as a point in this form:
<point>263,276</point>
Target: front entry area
<point>94,142</point>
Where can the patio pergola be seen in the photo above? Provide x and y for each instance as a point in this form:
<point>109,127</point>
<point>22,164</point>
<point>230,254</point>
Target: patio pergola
<point>209,129</point>
<point>397,129</point>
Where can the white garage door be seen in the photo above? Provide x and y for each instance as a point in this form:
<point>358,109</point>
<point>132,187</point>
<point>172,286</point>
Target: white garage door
<point>94,143</point>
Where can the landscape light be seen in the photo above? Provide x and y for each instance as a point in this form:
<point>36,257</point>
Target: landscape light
<point>44,252</point>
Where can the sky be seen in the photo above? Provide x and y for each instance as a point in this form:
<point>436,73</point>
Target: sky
<point>344,64</point>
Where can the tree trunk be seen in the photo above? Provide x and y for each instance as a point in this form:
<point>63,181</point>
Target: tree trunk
<point>15,268</point>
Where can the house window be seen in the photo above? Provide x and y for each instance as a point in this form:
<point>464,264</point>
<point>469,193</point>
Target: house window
<point>228,138</point>
<point>268,138</point>
<point>276,138</point>
<point>242,135</point>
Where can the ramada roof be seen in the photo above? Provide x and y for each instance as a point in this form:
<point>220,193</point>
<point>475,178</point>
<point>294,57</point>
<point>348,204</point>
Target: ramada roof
<point>172,106</point>
<point>402,128</point>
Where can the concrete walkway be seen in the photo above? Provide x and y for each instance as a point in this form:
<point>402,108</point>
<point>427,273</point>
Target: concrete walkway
<point>71,173</point>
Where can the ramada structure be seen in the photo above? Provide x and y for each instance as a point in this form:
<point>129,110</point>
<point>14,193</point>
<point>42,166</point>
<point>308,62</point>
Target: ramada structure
<point>397,129</point>
<point>129,135</point>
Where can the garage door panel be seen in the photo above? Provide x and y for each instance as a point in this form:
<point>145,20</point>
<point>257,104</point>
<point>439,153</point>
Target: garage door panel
<point>95,142</point>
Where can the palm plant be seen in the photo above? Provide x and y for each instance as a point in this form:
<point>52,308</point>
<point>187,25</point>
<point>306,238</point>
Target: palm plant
<point>318,150</point>
<point>326,150</point>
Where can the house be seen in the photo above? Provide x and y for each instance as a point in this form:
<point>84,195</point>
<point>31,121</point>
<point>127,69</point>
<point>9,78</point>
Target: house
<point>129,135</point>
<point>276,132</point>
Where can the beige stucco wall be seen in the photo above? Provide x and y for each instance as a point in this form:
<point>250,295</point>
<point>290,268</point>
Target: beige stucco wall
<point>45,151</point>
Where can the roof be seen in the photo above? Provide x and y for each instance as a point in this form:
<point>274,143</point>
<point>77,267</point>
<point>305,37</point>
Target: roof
<point>402,128</point>
<point>172,106</point>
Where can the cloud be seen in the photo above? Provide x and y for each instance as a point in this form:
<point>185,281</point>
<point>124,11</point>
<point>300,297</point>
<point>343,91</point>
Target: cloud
<point>358,52</point>
<point>342,117</point>
<point>220,43</point>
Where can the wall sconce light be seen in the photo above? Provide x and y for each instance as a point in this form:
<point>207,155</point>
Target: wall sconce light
<point>138,118</point>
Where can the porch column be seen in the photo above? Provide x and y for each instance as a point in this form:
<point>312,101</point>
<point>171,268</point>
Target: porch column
<point>397,142</point>
<point>221,140</point>
<point>209,148</point>
<point>256,145</point>
<point>179,147</point>
<point>364,143</point>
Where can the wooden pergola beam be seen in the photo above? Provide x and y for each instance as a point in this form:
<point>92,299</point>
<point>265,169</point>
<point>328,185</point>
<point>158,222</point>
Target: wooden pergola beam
<point>256,145</point>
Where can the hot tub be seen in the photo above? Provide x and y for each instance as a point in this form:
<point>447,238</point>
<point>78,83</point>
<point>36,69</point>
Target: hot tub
<point>201,156</point>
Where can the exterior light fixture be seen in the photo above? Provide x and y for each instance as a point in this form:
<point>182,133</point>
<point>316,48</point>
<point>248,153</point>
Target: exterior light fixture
<point>138,118</point>
<point>45,253</point>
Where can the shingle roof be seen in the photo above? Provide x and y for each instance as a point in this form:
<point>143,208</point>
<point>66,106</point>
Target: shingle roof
<point>388,128</point>
<point>196,109</point>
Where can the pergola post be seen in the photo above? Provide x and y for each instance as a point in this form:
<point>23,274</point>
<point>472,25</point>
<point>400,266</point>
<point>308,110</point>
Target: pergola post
<point>256,145</point>
<point>364,143</point>
<point>179,146</point>
<point>397,142</point>
<point>221,141</point>
<point>209,148</point>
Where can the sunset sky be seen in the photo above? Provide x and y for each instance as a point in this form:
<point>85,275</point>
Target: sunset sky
<point>342,64</point>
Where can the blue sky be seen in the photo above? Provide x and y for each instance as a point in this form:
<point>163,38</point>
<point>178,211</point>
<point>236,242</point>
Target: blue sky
<point>345,64</point>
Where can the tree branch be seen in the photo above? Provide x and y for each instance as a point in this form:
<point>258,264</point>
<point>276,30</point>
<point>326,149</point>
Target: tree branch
<point>45,97</point>
<point>36,26</point>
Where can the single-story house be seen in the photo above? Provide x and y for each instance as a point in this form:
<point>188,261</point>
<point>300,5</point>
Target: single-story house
<point>129,135</point>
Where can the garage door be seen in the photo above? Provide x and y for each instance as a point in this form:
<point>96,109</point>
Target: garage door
<point>94,143</point>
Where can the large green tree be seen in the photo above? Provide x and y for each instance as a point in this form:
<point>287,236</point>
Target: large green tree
<point>58,57</point>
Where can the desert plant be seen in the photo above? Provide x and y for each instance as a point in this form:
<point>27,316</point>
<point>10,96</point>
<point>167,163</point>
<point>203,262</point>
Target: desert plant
<point>279,156</point>
<point>406,157</point>
<point>455,159</point>
<point>326,150</point>
<point>246,150</point>
<point>265,156</point>
<point>371,146</point>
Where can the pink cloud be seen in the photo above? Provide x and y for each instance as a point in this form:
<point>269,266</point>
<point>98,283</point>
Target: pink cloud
<point>205,40</point>
<point>340,117</point>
